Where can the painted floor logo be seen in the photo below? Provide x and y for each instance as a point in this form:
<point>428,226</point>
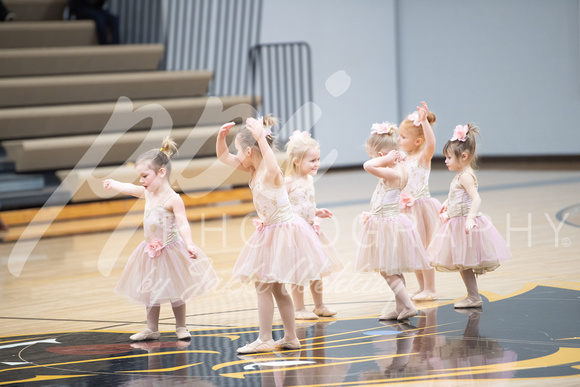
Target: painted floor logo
<point>518,337</point>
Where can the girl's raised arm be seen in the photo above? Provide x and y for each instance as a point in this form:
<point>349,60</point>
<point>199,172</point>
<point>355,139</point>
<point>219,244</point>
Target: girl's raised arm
<point>222,151</point>
<point>268,156</point>
<point>382,166</point>
<point>429,148</point>
<point>124,188</point>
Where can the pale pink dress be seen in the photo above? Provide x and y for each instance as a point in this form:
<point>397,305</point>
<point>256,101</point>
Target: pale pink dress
<point>416,201</point>
<point>171,276</point>
<point>286,249</point>
<point>453,250</point>
<point>388,242</point>
<point>304,206</point>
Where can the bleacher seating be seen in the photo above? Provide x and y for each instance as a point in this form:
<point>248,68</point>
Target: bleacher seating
<point>58,91</point>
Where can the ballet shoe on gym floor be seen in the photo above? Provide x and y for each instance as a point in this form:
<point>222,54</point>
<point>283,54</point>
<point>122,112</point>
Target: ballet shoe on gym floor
<point>468,303</point>
<point>258,346</point>
<point>182,333</point>
<point>283,344</point>
<point>147,334</point>
<point>392,315</point>
<point>324,312</point>
<point>407,314</point>
<point>424,296</point>
<point>305,315</point>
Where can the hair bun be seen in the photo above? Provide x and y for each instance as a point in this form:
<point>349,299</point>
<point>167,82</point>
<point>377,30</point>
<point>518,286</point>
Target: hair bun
<point>169,147</point>
<point>431,117</point>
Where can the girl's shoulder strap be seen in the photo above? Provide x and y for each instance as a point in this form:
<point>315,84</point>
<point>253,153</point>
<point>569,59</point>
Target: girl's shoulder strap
<point>168,197</point>
<point>469,172</point>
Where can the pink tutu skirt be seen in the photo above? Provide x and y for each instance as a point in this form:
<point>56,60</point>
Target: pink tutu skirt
<point>482,250</point>
<point>334,263</point>
<point>170,277</point>
<point>287,252</point>
<point>391,245</point>
<point>424,214</point>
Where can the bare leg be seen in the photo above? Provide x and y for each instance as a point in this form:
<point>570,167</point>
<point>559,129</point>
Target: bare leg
<point>420,281</point>
<point>429,280</point>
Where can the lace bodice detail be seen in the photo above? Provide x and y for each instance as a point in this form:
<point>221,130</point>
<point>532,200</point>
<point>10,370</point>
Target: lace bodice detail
<point>272,204</point>
<point>385,200</point>
<point>159,224</point>
<point>418,180</point>
<point>459,201</point>
<point>303,204</point>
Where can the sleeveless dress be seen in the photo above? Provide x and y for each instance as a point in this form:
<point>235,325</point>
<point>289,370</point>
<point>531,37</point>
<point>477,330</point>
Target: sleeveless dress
<point>388,242</point>
<point>304,206</point>
<point>416,201</point>
<point>285,249</point>
<point>160,270</point>
<point>452,249</point>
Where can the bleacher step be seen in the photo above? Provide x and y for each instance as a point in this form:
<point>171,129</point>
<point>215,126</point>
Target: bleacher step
<point>38,154</point>
<point>36,9</point>
<point>75,89</point>
<point>57,33</point>
<point>19,62</point>
<point>62,120</point>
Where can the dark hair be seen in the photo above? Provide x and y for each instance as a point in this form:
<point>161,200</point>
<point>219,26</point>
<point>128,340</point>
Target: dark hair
<point>159,157</point>
<point>457,147</point>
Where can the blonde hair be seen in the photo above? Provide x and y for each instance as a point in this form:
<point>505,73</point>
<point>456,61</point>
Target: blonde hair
<point>296,149</point>
<point>408,125</point>
<point>247,140</point>
<point>457,147</point>
<point>159,157</point>
<point>383,141</point>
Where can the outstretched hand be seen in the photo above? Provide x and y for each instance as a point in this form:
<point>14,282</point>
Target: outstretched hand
<point>323,213</point>
<point>422,111</point>
<point>225,129</point>
<point>108,184</point>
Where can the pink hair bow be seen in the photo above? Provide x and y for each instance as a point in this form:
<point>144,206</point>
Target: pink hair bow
<point>298,133</point>
<point>258,223</point>
<point>154,248</point>
<point>383,128</point>
<point>460,133</point>
<point>415,118</point>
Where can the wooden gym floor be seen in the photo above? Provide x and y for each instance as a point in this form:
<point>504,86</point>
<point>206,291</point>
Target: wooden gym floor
<point>61,324</point>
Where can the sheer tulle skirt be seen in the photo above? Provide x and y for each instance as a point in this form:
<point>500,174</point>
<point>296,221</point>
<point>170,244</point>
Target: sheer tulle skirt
<point>482,250</point>
<point>391,245</point>
<point>424,213</point>
<point>288,252</point>
<point>170,277</point>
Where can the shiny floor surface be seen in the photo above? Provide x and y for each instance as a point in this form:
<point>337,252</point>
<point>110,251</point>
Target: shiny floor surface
<point>62,325</point>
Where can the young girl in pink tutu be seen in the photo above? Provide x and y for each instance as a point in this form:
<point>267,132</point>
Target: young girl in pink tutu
<point>467,242</point>
<point>167,267</point>
<point>417,139</point>
<point>302,162</point>
<point>284,249</point>
<point>388,242</point>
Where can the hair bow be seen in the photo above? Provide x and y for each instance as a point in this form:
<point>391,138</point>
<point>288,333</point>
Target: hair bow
<point>298,133</point>
<point>460,133</point>
<point>415,118</point>
<point>383,128</point>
